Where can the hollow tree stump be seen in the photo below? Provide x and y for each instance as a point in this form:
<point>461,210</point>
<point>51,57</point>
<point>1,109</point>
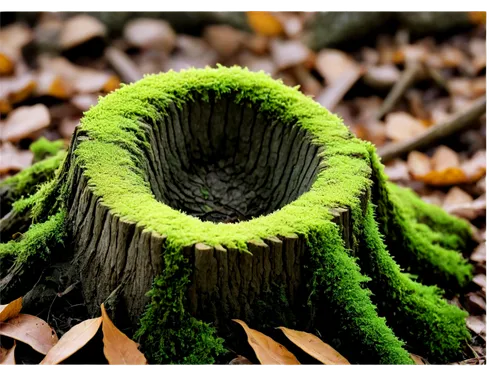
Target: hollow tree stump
<point>193,198</point>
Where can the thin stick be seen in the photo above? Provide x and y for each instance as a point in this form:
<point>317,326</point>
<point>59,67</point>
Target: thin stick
<point>123,65</point>
<point>454,124</point>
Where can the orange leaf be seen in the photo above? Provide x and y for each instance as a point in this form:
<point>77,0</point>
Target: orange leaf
<point>72,341</point>
<point>31,330</point>
<point>265,23</point>
<point>118,348</point>
<point>445,177</point>
<point>11,310</point>
<point>268,351</point>
<point>7,355</point>
<point>315,347</point>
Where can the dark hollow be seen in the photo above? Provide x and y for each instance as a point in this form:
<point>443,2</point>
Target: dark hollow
<point>227,162</point>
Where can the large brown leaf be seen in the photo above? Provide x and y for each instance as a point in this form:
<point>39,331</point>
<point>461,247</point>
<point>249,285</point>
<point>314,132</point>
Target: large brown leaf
<point>268,351</point>
<point>11,310</point>
<point>31,330</point>
<point>25,122</point>
<point>7,355</point>
<point>72,341</point>
<point>315,347</point>
<point>118,348</point>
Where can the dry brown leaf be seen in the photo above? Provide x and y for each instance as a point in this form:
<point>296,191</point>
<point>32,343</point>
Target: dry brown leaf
<point>469,210</point>
<point>332,94</point>
<point>265,23</point>
<point>150,33</point>
<point>257,44</point>
<point>476,325</point>
<point>80,29</point>
<point>480,280</point>
<point>418,359</point>
<point>334,64</point>
<point>475,304</point>
<point>411,53</point>
<point>50,84</point>
<point>288,53</point>
<point>268,351</point>
<point>401,126</point>
<point>25,122</point>
<point>456,196</point>
<point>11,310</point>
<point>436,198</point>
<point>445,177</point>
<point>397,170</point>
<point>17,88</point>
<point>31,330</point>
<point>13,159</point>
<point>240,360</point>
<point>7,356</point>
<point>382,76</point>
<point>479,253</point>
<point>315,347</point>
<point>8,60</point>
<point>226,40</point>
<point>419,164</point>
<point>72,341</point>
<point>84,101</point>
<point>451,57</point>
<point>118,348</point>
<point>16,35</point>
<point>475,168</point>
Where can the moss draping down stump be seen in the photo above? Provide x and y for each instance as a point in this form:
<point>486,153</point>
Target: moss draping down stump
<point>193,198</point>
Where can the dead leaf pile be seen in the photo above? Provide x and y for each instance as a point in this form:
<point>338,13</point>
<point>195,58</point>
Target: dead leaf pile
<point>31,330</point>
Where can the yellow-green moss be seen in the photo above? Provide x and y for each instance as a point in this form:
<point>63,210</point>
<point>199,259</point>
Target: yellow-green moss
<point>112,159</point>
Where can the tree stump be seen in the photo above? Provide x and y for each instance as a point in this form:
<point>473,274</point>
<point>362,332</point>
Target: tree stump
<point>189,199</point>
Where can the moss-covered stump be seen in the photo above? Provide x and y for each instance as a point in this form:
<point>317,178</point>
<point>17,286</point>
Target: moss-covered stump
<point>190,199</point>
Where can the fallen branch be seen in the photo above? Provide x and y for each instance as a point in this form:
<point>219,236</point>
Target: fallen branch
<point>454,124</point>
<point>409,76</point>
<point>122,64</point>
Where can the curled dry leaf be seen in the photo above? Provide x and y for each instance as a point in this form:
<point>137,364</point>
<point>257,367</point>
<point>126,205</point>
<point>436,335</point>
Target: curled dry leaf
<point>268,351</point>
<point>7,356</point>
<point>72,341</point>
<point>25,122</point>
<point>80,29</point>
<point>31,330</point>
<point>11,310</point>
<point>401,126</point>
<point>226,40</point>
<point>315,347</point>
<point>288,53</point>
<point>150,33</point>
<point>118,348</point>
<point>479,253</point>
<point>265,23</point>
<point>240,360</point>
<point>13,159</point>
<point>476,325</point>
<point>334,64</point>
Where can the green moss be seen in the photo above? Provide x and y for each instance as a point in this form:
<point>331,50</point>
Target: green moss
<point>43,148</point>
<point>111,155</point>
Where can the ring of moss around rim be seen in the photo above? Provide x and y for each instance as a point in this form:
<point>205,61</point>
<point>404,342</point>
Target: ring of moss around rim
<point>115,137</point>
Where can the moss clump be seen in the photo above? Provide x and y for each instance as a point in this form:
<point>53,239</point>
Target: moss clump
<point>353,291</point>
<point>43,148</point>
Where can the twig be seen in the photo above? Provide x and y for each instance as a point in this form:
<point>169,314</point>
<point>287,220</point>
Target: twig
<point>454,124</point>
<point>334,93</point>
<point>409,76</point>
<point>123,65</point>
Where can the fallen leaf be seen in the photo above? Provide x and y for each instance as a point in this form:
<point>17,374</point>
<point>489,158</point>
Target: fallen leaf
<point>7,356</point>
<point>288,53</point>
<point>226,40</point>
<point>469,210</point>
<point>451,57</point>
<point>72,341</point>
<point>240,360</point>
<point>475,168</point>
<point>118,348</point>
<point>257,44</point>
<point>479,253</point>
<point>13,159</point>
<point>80,29</point>
<point>268,351</point>
<point>150,33</point>
<point>50,84</point>
<point>397,170</point>
<point>418,359</point>
<point>456,196</point>
<point>8,60</point>
<point>17,88</point>
<point>333,64</point>
<point>265,23</point>
<point>476,325</point>
<point>476,304</point>
<point>31,330</point>
<point>436,198</point>
<point>381,76</point>
<point>16,35</point>
<point>84,101</point>
<point>67,126</point>
<point>401,126</point>
<point>25,122</point>
<point>480,280</point>
<point>315,347</point>
<point>332,94</point>
<point>11,310</point>
<point>419,164</point>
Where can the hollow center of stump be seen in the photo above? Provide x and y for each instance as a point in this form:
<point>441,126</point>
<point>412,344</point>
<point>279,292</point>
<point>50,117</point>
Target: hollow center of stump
<point>227,162</point>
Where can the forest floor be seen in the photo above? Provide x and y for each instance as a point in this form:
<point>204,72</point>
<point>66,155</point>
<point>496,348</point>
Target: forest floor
<point>46,83</point>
